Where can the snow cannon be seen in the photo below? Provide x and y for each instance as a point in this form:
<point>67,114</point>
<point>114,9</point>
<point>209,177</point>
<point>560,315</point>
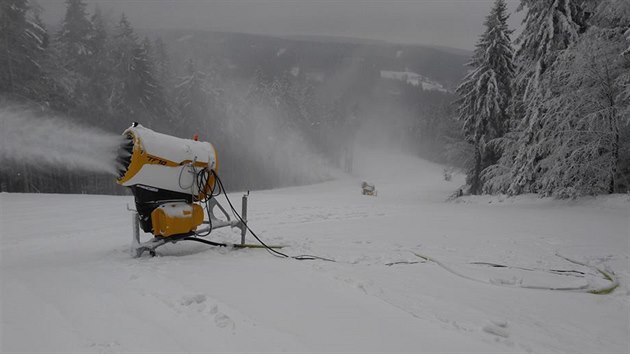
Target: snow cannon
<point>368,189</point>
<point>165,164</point>
<point>172,180</point>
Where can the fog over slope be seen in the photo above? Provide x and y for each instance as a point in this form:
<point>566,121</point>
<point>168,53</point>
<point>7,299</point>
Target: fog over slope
<point>451,23</point>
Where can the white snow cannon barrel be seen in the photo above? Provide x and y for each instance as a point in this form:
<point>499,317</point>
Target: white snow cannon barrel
<point>166,175</point>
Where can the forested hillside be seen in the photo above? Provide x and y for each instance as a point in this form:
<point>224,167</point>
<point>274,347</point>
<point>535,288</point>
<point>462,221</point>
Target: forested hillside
<point>281,111</point>
<point>543,112</point>
<point>549,112</point>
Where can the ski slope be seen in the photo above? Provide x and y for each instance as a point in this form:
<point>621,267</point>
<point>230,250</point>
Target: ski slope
<point>68,283</point>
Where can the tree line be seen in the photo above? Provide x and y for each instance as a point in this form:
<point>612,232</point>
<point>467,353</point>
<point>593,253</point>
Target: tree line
<point>86,71</point>
<point>549,112</point>
<point>100,73</point>
<point>273,126</point>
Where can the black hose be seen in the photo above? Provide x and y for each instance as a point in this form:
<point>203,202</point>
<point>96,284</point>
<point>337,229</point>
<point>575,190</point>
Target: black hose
<point>305,257</point>
<point>207,242</point>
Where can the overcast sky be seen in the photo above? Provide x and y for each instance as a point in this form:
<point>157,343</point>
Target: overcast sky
<point>452,23</point>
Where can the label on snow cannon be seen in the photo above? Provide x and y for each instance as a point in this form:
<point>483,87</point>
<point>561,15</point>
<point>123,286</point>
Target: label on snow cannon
<point>166,162</point>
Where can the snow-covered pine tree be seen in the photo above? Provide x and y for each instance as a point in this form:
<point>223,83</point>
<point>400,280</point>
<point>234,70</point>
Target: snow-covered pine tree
<point>578,132</point>
<point>624,167</point>
<point>137,93</point>
<point>626,78</point>
<point>75,47</point>
<point>124,44</point>
<point>486,90</point>
<point>580,129</point>
<point>164,76</point>
<point>22,42</point>
<point>619,12</point>
<point>56,83</point>
<point>163,70</point>
<point>100,71</point>
<point>100,36</point>
<point>153,98</point>
<point>615,15</point>
<point>74,37</point>
<point>550,27</point>
<point>192,96</point>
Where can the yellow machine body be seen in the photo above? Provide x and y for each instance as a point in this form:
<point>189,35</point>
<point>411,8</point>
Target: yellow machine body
<point>176,219</point>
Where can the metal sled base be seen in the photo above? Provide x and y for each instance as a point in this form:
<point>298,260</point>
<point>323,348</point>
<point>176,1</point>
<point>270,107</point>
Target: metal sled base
<point>138,248</point>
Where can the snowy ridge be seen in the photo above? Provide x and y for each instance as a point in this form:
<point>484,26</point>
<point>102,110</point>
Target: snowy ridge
<point>413,79</point>
<point>69,284</point>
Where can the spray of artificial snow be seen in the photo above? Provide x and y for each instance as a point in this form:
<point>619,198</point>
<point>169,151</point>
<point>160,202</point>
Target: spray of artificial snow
<point>48,141</point>
<point>272,148</point>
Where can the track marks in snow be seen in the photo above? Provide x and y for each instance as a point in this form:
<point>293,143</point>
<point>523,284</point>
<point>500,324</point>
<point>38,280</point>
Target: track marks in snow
<point>198,299</point>
<point>75,283</point>
<point>497,328</point>
<point>188,292</point>
<point>200,304</point>
<point>333,213</point>
<point>106,348</point>
<point>409,289</point>
<point>417,305</point>
<point>198,308</point>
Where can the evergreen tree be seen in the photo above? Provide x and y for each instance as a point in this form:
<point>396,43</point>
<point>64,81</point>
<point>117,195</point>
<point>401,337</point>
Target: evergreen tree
<point>619,11</point>
<point>152,97</point>
<point>56,85</point>
<point>550,27</point>
<point>163,70</point>
<point>136,93</point>
<point>49,88</point>
<point>485,92</point>
<point>73,50</point>
<point>100,72</point>
<point>580,128</point>
<point>75,36</point>
<point>192,96</point>
<point>100,37</point>
<point>124,44</point>
<point>616,19</point>
<point>22,45</point>
<point>626,78</point>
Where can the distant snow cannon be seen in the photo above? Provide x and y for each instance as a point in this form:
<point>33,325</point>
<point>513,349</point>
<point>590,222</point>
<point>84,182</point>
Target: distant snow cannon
<point>172,180</point>
<point>368,189</point>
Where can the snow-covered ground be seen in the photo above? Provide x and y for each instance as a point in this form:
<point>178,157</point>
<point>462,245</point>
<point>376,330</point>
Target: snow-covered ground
<point>68,283</point>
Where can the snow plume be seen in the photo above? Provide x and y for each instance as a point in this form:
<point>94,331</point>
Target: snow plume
<point>280,146</point>
<point>284,150</point>
<point>266,144</point>
<point>41,140</point>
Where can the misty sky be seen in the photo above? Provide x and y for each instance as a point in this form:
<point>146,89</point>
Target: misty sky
<point>452,23</point>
